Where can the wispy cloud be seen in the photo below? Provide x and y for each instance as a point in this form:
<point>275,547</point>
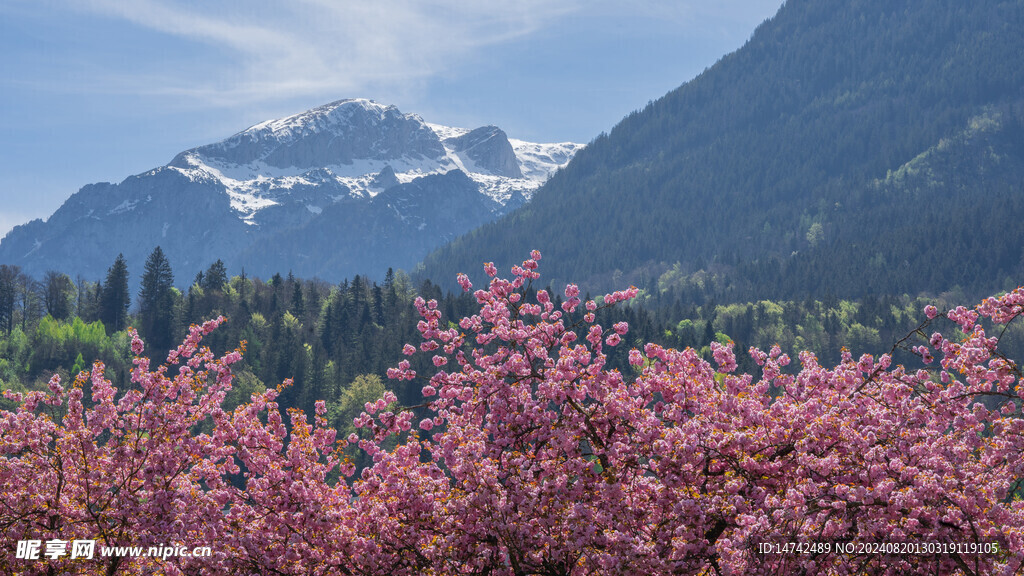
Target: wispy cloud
<point>315,47</point>
<point>697,16</point>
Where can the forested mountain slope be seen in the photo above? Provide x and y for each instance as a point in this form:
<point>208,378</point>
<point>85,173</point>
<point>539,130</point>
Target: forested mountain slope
<point>850,147</point>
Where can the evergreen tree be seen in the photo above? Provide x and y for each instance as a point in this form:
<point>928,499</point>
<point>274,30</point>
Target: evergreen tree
<point>298,302</point>
<point>156,301</point>
<point>215,278</point>
<point>115,299</point>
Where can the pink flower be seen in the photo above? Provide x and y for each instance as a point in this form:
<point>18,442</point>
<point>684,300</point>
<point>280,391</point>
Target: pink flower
<point>137,345</point>
<point>635,357</point>
<point>546,451</point>
<point>725,358</point>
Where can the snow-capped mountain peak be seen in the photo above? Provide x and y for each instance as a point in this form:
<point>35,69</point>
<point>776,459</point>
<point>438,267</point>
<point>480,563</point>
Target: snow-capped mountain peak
<point>338,189</point>
<point>354,140</point>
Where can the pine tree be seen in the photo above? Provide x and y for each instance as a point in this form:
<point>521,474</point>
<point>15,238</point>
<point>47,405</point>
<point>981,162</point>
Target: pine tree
<point>215,278</point>
<point>156,301</point>
<point>298,302</point>
<point>115,299</point>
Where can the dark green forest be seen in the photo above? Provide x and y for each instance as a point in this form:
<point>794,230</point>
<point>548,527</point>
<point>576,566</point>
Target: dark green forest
<point>865,147</point>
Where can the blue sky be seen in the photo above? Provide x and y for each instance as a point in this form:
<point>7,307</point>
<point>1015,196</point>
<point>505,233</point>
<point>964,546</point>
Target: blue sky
<point>97,90</point>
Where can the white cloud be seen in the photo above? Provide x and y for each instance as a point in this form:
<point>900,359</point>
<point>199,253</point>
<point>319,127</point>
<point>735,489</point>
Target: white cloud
<point>318,47</point>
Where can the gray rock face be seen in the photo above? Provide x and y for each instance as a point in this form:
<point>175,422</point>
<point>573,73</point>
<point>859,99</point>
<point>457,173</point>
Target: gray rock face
<point>336,133</point>
<point>488,147</point>
<point>396,228</point>
<point>385,179</point>
<point>192,220</point>
<point>515,201</point>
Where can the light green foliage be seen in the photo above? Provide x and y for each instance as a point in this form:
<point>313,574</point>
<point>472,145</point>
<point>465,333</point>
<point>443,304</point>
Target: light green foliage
<point>15,349</point>
<point>862,338</point>
<point>769,311</point>
<point>365,388</point>
<point>815,234</point>
<point>241,285</point>
<point>243,385</point>
<point>341,412</point>
<point>258,323</point>
<point>79,365</point>
<point>810,334</point>
<point>823,326</point>
<point>404,289</point>
<point>58,344</point>
<point>672,277</point>
<point>291,322</point>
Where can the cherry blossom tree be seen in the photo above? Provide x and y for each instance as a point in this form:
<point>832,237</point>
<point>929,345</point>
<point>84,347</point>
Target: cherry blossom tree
<point>156,466</point>
<point>530,456</point>
<point>536,459</point>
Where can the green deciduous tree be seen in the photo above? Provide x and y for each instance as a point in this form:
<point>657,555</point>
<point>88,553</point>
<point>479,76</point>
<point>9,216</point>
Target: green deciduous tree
<point>58,294</point>
<point>8,296</point>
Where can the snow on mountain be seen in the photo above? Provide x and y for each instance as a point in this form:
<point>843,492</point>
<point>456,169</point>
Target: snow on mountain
<point>538,162</point>
<point>349,187</point>
<point>355,140</point>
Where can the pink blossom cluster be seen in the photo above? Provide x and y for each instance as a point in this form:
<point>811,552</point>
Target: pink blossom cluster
<point>541,460</point>
<point>531,456</point>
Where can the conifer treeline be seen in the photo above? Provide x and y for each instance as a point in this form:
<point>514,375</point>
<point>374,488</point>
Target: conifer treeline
<point>336,342</point>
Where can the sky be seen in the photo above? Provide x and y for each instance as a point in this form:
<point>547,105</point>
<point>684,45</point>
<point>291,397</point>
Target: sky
<point>98,90</point>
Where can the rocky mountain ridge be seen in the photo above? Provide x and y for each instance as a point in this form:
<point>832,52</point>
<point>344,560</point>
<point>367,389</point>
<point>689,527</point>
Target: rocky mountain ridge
<point>351,187</point>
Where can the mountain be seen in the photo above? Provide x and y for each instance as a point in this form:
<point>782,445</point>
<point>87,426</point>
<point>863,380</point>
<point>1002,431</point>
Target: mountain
<point>351,187</point>
<point>850,147</point>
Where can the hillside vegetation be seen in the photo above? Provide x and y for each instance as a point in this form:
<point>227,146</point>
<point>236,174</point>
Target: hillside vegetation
<point>850,147</point>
